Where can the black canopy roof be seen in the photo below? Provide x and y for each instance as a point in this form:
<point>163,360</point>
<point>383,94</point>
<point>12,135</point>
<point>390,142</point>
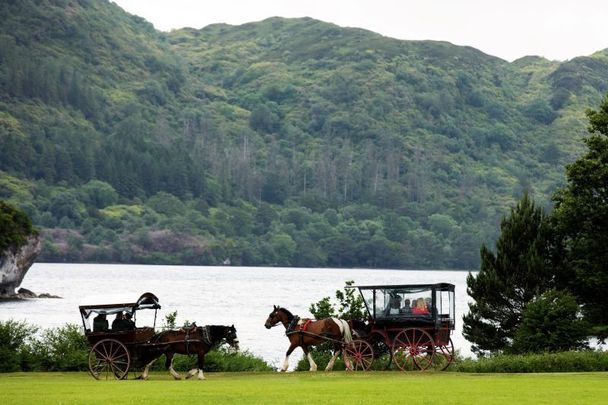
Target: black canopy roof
<point>146,301</point>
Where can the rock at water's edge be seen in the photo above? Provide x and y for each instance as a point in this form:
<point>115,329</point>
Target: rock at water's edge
<point>14,264</point>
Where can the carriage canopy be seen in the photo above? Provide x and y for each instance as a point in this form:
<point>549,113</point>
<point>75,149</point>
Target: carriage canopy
<point>146,301</point>
<point>426,303</point>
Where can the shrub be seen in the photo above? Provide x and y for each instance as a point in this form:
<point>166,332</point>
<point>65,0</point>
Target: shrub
<point>14,336</point>
<point>60,349</point>
<point>572,361</point>
<point>218,360</point>
<point>551,323</point>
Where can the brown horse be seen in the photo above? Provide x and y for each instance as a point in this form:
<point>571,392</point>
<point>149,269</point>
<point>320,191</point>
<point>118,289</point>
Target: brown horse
<point>190,340</point>
<point>305,333</point>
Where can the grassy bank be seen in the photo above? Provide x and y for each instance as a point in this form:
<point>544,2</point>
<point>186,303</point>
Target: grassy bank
<point>337,387</point>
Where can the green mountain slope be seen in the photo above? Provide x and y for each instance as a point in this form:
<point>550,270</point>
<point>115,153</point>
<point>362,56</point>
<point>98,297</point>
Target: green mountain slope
<point>287,141</point>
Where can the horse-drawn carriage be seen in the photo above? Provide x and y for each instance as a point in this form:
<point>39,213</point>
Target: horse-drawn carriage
<point>408,325</point>
<point>117,350</point>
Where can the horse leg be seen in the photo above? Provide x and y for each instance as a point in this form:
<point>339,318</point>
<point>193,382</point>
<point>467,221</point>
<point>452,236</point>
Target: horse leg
<point>347,363</point>
<point>201,363</point>
<point>286,362</point>
<point>199,370</point>
<point>330,365</point>
<point>313,365</point>
<point>169,365</point>
<point>144,375</point>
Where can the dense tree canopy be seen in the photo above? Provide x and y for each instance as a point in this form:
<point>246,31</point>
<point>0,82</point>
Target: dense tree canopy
<point>581,222</point>
<point>551,322</point>
<point>15,226</point>
<point>332,146</point>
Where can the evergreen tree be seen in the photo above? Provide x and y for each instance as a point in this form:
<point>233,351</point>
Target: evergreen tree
<point>581,223</point>
<point>551,323</point>
<point>508,279</point>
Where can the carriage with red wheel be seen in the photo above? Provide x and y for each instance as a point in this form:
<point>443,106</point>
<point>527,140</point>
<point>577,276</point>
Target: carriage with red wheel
<point>408,326</point>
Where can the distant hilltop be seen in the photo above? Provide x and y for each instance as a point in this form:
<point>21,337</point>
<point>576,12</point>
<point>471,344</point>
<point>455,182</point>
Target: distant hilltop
<point>291,142</point>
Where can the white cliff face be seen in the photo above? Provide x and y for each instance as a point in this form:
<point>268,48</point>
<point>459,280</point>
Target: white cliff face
<point>14,264</point>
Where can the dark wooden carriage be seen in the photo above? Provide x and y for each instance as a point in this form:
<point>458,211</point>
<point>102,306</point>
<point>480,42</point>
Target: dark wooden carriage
<point>114,352</point>
<point>407,325</point>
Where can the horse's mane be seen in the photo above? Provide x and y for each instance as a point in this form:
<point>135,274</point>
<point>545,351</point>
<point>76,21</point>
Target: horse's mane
<point>286,311</point>
<point>216,330</point>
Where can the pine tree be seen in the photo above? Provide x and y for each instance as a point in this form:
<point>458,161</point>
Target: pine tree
<point>508,279</point>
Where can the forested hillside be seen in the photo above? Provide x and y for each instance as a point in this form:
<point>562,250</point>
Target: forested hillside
<point>283,142</point>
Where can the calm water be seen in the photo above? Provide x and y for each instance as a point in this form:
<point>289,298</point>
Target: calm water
<point>242,296</point>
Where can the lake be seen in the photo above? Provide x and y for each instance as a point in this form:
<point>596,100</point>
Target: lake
<point>242,296</point>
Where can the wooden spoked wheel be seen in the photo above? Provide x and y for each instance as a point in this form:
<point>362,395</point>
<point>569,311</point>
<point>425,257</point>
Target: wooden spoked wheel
<point>383,354</point>
<point>444,355</point>
<point>413,349</point>
<point>359,354</point>
<point>109,358</point>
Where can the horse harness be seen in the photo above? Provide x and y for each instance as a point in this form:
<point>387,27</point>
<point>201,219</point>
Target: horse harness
<point>299,326</point>
<point>205,334</point>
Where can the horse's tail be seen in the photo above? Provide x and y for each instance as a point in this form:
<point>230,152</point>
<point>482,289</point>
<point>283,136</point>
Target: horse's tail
<point>344,329</point>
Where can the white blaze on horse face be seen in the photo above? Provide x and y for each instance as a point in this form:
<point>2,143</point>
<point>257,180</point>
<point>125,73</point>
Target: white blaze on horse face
<point>313,365</point>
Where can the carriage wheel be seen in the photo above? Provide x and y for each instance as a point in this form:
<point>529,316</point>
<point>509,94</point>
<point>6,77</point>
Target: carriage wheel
<point>413,348</point>
<point>359,354</point>
<point>109,358</point>
<point>444,355</point>
<point>383,354</point>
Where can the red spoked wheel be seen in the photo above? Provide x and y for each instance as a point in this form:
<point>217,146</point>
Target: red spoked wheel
<point>413,349</point>
<point>444,355</point>
<point>359,354</point>
<point>109,358</point>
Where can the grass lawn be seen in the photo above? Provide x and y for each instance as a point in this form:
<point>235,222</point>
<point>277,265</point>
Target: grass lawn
<point>310,388</point>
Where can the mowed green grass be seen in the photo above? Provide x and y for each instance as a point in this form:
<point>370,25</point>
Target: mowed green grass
<point>310,388</point>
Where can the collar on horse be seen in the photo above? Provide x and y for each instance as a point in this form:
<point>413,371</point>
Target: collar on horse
<point>297,325</point>
<point>206,335</point>
<point>291,328</point>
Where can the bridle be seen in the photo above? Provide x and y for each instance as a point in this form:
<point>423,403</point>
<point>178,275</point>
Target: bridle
<point>273,316</point>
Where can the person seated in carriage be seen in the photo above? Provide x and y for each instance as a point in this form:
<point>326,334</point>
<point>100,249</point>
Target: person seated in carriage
<point>119,323</point>
<point>128,321</point>
<point>421,308</point>
<point>100,323</point>
<point>394,306</point>
<point>407,309</point>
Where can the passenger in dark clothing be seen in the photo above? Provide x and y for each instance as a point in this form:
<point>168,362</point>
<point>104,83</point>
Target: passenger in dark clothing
<point>119,322</point>
<point>100,323</point>
<point>129,324</point>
